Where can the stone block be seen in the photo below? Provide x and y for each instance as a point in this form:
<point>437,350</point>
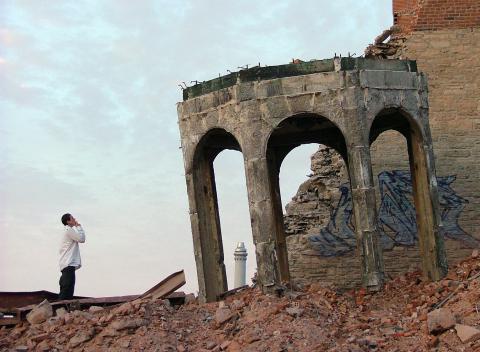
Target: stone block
<point>352,98</point>
<point>300,103</point>
<point>440,320</point>
<point>245,91</point>
<point>223,314</point>
<point>293,85</point>
<point>192,106</point>
<point>467,333</point>
<point>275,108</point>
<point>328,105</point>
<point>248,112</point>
<point>388,80</point>
<point>40,313</point>
<point>211,119</point>
<point>271,88</point>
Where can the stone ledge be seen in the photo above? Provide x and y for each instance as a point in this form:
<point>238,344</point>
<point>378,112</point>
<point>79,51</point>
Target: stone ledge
<point>259,73</point>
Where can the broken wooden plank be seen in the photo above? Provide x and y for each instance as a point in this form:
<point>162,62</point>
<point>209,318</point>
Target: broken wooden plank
<point>166,286</point>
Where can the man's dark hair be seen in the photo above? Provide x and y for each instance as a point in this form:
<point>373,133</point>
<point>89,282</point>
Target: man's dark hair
<point>65,218</point>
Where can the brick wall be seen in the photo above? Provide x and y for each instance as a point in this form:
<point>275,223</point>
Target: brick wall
<point>444,38</point>
<point>405,13</point>
<point>451,59</point>
<point>420,15</point>
<point>345,272</point>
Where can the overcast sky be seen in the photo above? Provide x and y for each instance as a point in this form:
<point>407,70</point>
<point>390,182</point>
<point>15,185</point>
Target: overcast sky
<point>88,125</point>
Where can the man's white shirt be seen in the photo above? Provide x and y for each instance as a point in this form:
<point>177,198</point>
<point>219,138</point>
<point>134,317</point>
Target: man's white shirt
<point>69,249</point>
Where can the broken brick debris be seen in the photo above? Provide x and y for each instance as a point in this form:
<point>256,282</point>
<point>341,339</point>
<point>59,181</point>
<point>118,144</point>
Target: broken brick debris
<point>317,318</point>
<point>164,289</point>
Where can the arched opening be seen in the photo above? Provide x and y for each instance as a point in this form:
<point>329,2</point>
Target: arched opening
<point>397,224</point>
<point>296,168</point>
<point>206,228</point>
<point>234,212</point>
<point>318,217</point>
<point>289,134</point>
<point>406,194</point>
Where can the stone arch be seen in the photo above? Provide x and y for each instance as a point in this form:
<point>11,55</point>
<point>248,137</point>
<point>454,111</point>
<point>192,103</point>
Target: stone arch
<point>424,185</point>
<point>216,139</point>
<point>288,134</point>
<point>306,128</point>
<point>255,101</point>
<point>206,231</point>
<point>395,118</point>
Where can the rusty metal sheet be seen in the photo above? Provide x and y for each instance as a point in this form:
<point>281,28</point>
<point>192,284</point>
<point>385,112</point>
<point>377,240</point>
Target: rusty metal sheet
<point>164,289</point>
<point>10,300</point>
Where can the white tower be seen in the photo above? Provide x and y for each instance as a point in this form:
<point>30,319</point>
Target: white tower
<point>240,255</point>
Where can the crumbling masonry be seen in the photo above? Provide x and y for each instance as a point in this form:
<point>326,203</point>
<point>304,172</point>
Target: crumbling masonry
<point>443,37</point>
<point>265,112</point>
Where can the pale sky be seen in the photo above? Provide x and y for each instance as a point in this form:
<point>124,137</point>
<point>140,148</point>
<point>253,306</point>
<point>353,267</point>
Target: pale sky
<point>88,125</point>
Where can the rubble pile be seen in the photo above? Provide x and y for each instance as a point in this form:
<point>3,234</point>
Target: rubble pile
<point>410,314</point>
<point>390,49</point>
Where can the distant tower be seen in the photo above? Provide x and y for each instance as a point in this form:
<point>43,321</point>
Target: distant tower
<point>240,255</point>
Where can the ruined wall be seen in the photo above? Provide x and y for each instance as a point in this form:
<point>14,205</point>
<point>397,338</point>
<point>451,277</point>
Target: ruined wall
<point>444,38</point>
<point>451,58</point>
<point>322,209</point>
<point>311,207</point>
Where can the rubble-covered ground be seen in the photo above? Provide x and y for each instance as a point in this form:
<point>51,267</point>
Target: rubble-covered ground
<point>313,318</point>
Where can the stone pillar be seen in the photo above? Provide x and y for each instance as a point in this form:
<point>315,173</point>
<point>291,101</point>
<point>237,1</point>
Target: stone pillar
<point>263,223</point>
<point>207,238</point>
<point>365,215</point>
<point>273,162</point>
<point>425,195</point>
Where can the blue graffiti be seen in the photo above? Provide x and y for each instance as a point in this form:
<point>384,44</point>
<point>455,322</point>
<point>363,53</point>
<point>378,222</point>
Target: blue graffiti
<point>396,216</point>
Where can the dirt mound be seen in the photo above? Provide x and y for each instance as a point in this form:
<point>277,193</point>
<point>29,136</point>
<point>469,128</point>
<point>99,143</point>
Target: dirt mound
<point>315,318</point>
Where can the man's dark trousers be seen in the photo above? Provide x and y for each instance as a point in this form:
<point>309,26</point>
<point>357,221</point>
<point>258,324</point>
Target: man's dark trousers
<point>67,283</point>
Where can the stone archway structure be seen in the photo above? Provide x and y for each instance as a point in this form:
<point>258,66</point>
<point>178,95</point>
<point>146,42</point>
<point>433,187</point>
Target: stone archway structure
<point>265,112</point>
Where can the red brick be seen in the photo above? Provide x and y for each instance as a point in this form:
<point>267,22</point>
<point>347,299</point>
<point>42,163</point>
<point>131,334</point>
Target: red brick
<point>415,15</point>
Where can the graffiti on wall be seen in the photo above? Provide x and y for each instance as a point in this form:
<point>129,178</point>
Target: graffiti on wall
<point>396,216</point>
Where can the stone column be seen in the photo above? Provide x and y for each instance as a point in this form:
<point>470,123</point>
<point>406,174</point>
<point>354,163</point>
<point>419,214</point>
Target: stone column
<point>207,238</point>
<point>365,215</point>
<point>263,223</point>
<point>425,195</point>
<point>273,161</point>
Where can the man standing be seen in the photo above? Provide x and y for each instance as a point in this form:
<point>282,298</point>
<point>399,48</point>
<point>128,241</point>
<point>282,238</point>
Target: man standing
<point>70,255</point>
